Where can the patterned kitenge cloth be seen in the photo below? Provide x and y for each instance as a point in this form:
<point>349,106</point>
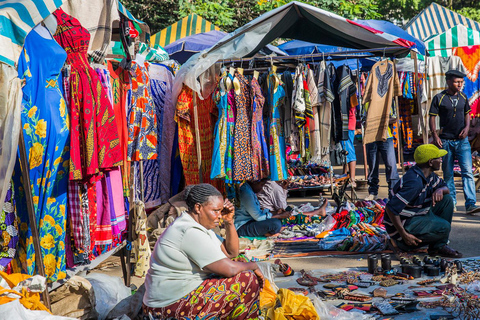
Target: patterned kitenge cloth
<point>278,157</point>
<point>9,230</point>
<point>242,143</point>
<point>225,298</point>
<point>142,118</point>
<point>94,137</point>
<point>260,165</point>
<point>222,138</point>
<point>186,136</point>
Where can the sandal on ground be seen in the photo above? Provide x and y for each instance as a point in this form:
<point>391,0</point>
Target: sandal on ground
<point>446,251</point>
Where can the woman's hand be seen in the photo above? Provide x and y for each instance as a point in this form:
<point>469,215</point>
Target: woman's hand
<point>228,212</point>
<point>261,279</point>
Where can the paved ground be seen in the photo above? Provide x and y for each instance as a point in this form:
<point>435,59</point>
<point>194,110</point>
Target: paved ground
<point>464,237</point>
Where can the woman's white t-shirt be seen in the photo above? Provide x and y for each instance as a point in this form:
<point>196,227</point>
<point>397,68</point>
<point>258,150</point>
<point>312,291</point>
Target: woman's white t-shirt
<point>177,261</point>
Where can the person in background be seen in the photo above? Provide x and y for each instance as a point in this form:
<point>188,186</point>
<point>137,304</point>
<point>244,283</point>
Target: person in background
<point>273,196</point>
<point>387,151</point>
<point>348,146</point>
<point>191,273</point>
<point>250,219</point>
<point>420,208</point>
<point>451,105</point>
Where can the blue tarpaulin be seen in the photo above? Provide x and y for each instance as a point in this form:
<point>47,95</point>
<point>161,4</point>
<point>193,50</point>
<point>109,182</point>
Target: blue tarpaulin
<point>182,49</point>
<point>297,47</point>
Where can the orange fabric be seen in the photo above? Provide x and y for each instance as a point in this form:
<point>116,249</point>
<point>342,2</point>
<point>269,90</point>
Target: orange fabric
<point>187,140</point>
<point>471,60</point>
<point>30,300</point>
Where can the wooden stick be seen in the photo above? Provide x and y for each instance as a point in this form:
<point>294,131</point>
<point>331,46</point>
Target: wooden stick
<point>419,99</point>
<point>197,137</point>
<point>365,169</point>
<point>31,213</point>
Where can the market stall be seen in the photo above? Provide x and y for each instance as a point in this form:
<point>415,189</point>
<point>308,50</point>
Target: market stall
<point>91,132</point>
<point>289,106</point>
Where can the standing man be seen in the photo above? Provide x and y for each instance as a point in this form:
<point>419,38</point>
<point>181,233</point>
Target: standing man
<point>387,151</point>
<point>452,107</point>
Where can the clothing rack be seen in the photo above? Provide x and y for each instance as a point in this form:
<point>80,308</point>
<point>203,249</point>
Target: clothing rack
<point>344,54</point>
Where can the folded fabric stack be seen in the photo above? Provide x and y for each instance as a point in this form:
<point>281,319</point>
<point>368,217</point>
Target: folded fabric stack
<point>356,228</point>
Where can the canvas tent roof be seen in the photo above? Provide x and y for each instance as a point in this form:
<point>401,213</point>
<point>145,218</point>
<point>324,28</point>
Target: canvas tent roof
<point>458,36</point>
<point>436,19</point>
<point>190,25</point>
<point>294,20</point>
<point>17,19</point>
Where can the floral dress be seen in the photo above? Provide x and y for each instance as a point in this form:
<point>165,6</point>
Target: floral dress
<point>278,156</point>
<point>46,133</point>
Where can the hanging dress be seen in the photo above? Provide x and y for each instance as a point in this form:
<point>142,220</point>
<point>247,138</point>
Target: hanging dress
<point>278,157</point>
<point>120,82</point>
<point>242,144</point>
<point>231,116</point>
<point>260,165</point>
<point>155,171</point>
<point>220,133</point>
<point>46,133</point>
<point>187,137</point>
<point>142,119</point>
<point>94,137</point>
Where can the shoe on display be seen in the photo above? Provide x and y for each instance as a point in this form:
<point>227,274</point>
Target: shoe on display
<point>446,252</point>
<point>370,197</point>
<point>473,209</point>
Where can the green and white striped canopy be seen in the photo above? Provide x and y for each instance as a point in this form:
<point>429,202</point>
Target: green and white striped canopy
<point>17,19</point>
<point>436,19</point>
<point>458,36</point>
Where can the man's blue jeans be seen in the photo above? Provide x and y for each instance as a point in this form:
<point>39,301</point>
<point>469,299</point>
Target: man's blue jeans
<point>387,151</point>
<point>460,150</point>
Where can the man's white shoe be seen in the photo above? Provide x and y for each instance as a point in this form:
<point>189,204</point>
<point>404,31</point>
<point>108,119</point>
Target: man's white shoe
<point>370,197</point>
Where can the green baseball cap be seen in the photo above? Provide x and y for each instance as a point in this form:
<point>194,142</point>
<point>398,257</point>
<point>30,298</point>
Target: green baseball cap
<point>427,152</point>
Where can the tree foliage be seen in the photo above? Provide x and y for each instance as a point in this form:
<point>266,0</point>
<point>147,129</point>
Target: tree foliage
<point>232,14</point>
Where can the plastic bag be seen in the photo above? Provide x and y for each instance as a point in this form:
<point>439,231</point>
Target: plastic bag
<point>109,291</point>
<point>15,310</point>
<point>329,312</point>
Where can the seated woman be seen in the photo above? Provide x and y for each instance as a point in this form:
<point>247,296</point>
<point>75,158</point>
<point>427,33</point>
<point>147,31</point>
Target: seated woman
<point>273,196</point>
<point>250,219</point>
<point>191,273</point>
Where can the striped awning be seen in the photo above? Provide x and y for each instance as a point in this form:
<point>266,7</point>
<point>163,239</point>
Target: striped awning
<point>458,36</point>
<point>17,18</point>
<point>192,24</point>
<point>436,19</point>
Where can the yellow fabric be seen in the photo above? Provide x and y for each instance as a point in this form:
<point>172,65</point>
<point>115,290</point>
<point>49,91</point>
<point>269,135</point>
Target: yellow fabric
<point>267,296</point>
<point>427,152</point>
<point>30,300</point>
<point>291,306</point>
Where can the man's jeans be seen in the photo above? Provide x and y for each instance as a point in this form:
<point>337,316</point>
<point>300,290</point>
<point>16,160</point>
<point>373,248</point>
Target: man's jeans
<point>387,151</point>
<point>460,150</point>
